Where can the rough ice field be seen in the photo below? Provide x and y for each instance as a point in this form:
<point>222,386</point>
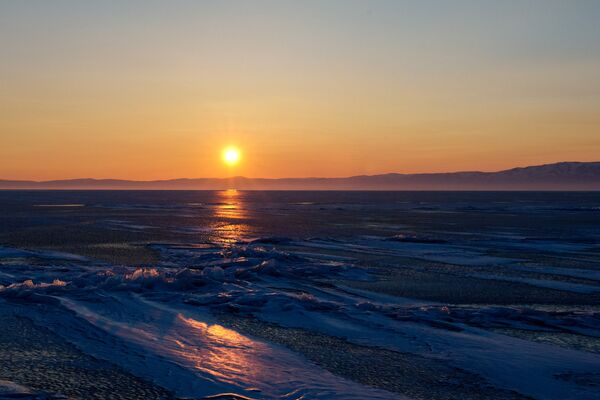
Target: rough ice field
<point>160,320</point>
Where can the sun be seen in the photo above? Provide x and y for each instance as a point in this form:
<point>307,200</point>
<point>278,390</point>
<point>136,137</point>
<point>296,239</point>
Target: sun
<point>231,156</point>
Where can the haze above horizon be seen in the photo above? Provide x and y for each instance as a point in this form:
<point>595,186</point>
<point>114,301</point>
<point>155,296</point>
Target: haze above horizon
<point>147,90</point>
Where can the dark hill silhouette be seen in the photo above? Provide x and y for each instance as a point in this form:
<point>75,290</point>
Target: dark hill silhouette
<point>558,176</point>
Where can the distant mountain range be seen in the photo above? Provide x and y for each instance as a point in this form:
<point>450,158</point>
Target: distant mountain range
<point>558,176</point>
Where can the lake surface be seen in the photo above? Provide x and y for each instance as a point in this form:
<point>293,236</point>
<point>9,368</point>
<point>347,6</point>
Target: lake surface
<point>347,295</point>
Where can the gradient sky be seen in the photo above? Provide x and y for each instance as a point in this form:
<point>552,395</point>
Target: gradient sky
<point>155,89</point>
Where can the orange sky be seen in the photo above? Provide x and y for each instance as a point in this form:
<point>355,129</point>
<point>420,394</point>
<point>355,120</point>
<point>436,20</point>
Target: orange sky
<point>155,90</point>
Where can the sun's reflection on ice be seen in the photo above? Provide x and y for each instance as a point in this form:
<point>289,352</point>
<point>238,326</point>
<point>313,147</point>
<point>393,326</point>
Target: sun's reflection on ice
<point>230,210</point>
<point>229,357</point>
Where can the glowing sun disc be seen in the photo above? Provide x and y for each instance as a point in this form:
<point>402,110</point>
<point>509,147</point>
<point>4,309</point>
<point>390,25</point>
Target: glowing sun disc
<point>231,156</point>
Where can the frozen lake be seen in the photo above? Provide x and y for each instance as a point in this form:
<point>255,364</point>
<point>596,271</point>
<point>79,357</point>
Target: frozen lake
<point>314,295</point>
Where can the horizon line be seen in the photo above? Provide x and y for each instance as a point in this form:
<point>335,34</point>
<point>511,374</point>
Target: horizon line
<point>298,178</point>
